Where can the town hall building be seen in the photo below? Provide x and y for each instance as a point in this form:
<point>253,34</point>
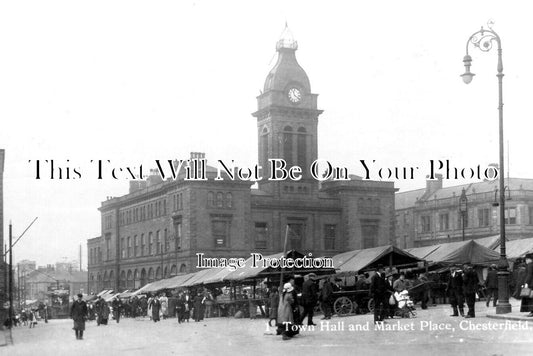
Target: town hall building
<point>157,229</point>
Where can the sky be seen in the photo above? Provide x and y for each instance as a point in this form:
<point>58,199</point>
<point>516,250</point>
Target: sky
<point>135,81</point>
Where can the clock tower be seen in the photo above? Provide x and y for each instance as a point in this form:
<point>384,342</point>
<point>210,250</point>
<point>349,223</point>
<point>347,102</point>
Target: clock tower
<point>287,120</point>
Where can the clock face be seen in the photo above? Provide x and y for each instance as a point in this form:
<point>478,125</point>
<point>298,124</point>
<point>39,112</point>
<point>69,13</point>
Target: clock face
<point>294,95</point>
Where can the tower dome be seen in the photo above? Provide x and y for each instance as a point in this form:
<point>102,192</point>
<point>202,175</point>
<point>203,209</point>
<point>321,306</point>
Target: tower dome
<point>286,71</point>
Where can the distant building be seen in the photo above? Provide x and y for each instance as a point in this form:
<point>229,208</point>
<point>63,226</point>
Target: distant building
<point>432,215</point>
<point>38,284</point>
<point>157,229</point>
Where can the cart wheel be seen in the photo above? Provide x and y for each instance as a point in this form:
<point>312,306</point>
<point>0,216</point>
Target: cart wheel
<point>343,306</point>
<point>371,305</point>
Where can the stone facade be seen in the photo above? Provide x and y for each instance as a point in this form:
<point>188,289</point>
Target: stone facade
<point>432,215</point>
<point>157,229</point>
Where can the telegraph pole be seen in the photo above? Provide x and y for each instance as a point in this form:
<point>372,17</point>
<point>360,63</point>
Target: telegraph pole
<point>11,274</point>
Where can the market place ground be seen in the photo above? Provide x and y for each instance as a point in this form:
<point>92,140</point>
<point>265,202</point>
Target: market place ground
<point>221,336</point>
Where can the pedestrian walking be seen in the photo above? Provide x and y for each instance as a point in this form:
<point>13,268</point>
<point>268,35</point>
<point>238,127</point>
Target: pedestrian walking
<point>164,306</point>
<point>285,313</point>
<point>117,308</point>
<point>326,294</point>
<point>78,313</point>
<point>470,288</point>
<point>198,310</point>
<point>379,291</point>
<point>155,306</point>
<point>309,297</point>
<point>527,302</point>
<point>491,285</point>
<point>455,291</point>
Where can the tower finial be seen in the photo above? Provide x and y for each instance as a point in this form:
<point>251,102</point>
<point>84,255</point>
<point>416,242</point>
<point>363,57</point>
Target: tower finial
<point>286,39</point>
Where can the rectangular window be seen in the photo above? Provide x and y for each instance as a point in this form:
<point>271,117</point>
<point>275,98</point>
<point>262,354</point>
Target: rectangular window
<point>178,236</point>
<point>444,222</point>
<point>330,234</point>
<point>483,217</point>
<point>296,236</point>
<point>510,216</point>
<point>122,248</point>
<point>108,248</point>
<point>158,245</point>
<point>220,231</point>
<point>129,247</point>
<point>150,242</point>
<point>167,242</point>
<point>143,246</point>
<point>369,231</point>
<point>426,223</point>
<point>261,232</point>
<point>135,246</point>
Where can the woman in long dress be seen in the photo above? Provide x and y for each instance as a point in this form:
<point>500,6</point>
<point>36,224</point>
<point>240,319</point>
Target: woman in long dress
<point>156,307</point>
<point>285,313</point>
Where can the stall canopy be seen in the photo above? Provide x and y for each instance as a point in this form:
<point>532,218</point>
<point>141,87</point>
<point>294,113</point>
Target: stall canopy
<point>249,272</point>
<point>489,242</point>
<point>168,283</point>
<point>359,260</point>
<point>518,248</point>
<point>458,253</point>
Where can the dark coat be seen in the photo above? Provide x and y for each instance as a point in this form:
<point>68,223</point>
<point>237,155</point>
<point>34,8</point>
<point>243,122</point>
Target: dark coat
<point>309,293</point>
<point>78,313</point>
<point>455,284</point>
<point>529,275</point>
<point>492,280</point>
<point>326,293</point>
<point>379,287</point>
<point>470,282</point>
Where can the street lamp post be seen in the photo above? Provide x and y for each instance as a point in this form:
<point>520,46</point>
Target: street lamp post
<point>463,201</point>
<point>484,39</point>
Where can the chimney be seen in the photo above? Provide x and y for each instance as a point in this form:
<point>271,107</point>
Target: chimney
<point>197,155</point>
<point>154,178</point>
<point>432,185</point>
<point>136,185</point>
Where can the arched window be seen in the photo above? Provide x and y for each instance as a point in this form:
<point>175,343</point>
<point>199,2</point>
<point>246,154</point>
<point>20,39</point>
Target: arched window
<point>123,279</point>
<point>150,275</point>
<point>173,270</point>
<point>263,146</point>
<point>106,280</point>
<point>287,145</point>
<point>229,200</point>
<point>220,200</point>
<point>158,273</point>
<point>143,277</point>
<point>302,148</point>
<point>111,279</point>
<point>183,268</point>
<point>129,283</point>
<point>165,275</point>
<point>136,279</point>
<point>210,199</point>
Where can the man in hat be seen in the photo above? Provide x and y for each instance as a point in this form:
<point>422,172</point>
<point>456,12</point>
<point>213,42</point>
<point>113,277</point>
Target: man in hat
<point>379,291</point>
<point>491,284</point>
<point>401,283</point>
<point>78,313</point>
<point>470,287</point>
<point>309,297</point>
<point>527,303</point>
<point>326,296</point>
<point>455,291</point>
